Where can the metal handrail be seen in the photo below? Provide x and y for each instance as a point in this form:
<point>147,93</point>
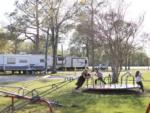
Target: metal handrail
<point>124,75</point>
<point>92,82</point>
<point>126,82</point>
<point>109,79</point>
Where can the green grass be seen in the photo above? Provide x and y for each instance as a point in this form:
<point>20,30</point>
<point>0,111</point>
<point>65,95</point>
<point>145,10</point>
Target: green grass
<point>87,102</point>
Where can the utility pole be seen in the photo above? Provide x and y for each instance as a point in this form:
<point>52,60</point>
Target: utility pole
<point>62,53</point>
<point>36,49</point>
<point>46,50</point>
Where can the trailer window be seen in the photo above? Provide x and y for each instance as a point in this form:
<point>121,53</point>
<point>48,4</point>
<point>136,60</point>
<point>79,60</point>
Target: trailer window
<point>11,60</point>
<point>60,58</point>
<point>42,60</point>
<point>23,61</point>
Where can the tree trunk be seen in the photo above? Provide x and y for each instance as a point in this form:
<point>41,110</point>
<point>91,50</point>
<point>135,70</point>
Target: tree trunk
<point>54,48</point>
<point>36,49</point>
<point>92,36</point>
<point>46,50</point>
<point>129,63</point>
<point>16,46</point>
<point>126,60</point>
<point>115,75</point>
<point>87,50</point>
<point>116,68</point>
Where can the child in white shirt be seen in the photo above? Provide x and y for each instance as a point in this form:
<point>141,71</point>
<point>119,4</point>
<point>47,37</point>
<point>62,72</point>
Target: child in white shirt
<point>138,79</point>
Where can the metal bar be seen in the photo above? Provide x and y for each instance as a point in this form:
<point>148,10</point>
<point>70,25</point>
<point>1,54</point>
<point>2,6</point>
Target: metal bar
<point>13,95</point>
<point>12,106</point>
<point>87,82</point>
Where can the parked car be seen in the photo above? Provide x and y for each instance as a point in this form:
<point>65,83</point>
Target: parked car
<point>97,66</point>
<point>104,66</point>
<point>101,66</point>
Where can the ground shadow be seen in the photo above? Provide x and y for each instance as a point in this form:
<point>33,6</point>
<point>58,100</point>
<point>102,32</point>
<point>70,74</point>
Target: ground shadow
<point>112,92</point>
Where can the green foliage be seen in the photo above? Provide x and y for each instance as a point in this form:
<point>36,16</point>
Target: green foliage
<point>4,42</point>
<point>139,59</point>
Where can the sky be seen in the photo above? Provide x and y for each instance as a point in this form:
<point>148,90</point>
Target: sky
<point>5,6</point>
<point>135,9</point>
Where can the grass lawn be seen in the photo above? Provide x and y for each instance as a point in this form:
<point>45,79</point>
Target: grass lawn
<point>86,102</point>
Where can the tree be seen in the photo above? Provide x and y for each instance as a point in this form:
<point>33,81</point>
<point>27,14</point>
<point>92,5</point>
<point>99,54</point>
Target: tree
<point>86,28</point>
<point>80,38</point>
<point>3,42</point>
<point>57,16</point>
<point>26,20</point>
<point>13,36</point>
<point>80,44</point>
<point>118,35</point>
<point>92,8</point>
<point>9,42</point>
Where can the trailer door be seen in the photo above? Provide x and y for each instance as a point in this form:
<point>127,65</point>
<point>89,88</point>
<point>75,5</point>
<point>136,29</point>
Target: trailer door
<point>1,62</point>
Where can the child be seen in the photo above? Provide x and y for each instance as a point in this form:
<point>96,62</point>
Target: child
<point>100,76</point>
<point>138,79</point>
<point>81,79</point>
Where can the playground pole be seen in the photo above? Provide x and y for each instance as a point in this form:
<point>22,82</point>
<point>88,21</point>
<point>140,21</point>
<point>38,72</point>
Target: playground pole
<point>12,106</point>
<point>75,70</point>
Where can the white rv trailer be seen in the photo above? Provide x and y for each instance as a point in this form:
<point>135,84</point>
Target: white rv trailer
<point>15,62</point>
<point>75,62</point>
<point>30,62</point>
<point>23,62</point>
<point>37,62</point>
<point>70,62</point>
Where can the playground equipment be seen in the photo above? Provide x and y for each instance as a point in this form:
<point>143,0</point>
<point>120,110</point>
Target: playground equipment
<point>19,90</point>
<point>127,82</point>
<point>33,96</point>
<point>35,99</point>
